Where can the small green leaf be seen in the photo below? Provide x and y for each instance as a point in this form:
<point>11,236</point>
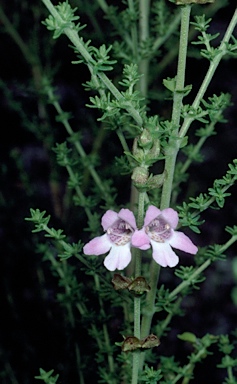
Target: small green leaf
<point>170,83</point>
<point>188,336</point>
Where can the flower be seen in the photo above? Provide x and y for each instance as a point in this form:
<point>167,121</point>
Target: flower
<point>119,228</point>
<point>159,231</point>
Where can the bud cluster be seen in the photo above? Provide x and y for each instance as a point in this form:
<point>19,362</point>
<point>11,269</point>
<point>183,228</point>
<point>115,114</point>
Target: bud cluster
<point>146,151</point>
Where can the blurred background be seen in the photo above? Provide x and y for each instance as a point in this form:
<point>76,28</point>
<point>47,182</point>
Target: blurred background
<point>33,331</point>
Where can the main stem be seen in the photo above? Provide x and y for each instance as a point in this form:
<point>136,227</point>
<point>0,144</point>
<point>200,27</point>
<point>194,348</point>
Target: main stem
<point>171,154</point>
<point>137,300</point>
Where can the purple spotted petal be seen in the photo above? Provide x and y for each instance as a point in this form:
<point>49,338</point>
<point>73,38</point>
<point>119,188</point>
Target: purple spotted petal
<point>98,246</point>
<point>128,216</point>
<point>164,255</point>
<point>171,216</point>
<point>140,239</point>
<point>118,258</point>
<point>151,213</point>
<point>180,241</point>
<point>108,219</point>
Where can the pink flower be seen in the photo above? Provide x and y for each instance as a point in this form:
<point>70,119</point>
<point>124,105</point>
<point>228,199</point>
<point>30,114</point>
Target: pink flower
<point>119,228</point>
<point>159,231</point>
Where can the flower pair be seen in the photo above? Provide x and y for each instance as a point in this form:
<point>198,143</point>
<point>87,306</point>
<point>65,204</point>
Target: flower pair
<point>158,232</point>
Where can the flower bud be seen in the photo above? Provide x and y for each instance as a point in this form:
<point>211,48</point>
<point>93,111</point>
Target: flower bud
<point>155,181</point>
<point>140,176</point>
<point>155,150</point>
<point>145,140</point>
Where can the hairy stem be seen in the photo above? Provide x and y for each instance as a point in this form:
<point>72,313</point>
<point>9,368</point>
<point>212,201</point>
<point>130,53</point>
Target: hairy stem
<point>144,10</point>
<point>137,300</point>
<point>169,162</point>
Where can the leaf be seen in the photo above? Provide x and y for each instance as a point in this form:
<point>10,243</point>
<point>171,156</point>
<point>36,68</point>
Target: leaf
<point>188,336</point>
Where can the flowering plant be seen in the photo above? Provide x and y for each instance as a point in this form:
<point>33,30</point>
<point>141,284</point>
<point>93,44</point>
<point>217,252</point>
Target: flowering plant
<point>137,164</point>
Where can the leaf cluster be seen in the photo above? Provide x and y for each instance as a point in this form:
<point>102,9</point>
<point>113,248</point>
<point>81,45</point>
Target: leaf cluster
<point>64,18</point>
<point>47,377</point>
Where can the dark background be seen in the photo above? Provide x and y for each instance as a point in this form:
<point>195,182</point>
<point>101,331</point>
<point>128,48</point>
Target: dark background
<point>33,332</point>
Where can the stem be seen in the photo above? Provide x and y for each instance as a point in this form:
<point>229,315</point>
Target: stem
<point>144,8</point>
<point>123,142</point>
<point>134,37</point>
<point>170,161</point>
<point>137,333</point>
<point>173,147</point>
<point>210,73</point>
<point>137,300</point>
<point>230,374</point>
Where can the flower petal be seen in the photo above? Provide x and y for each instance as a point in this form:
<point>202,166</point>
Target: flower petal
<point>98,246</point>
<point>180,241</point>
<point>118,258</point>
<point>108,219</point>
<point>140,239</point>
<point>171,216</point>
<point>151,213</point>
<point>128,216</point>
<point>164,255</point>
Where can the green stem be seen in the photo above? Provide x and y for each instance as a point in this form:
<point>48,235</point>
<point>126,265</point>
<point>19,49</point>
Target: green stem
<point>210,73</point>
<point>169,164</point>
<point>137,333</point>
<point>137,300</point>
<point>134,37</point>
<point>144,11</point>
<point>124,143</point>
<point>230,374</point>
<point>173,147</point>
